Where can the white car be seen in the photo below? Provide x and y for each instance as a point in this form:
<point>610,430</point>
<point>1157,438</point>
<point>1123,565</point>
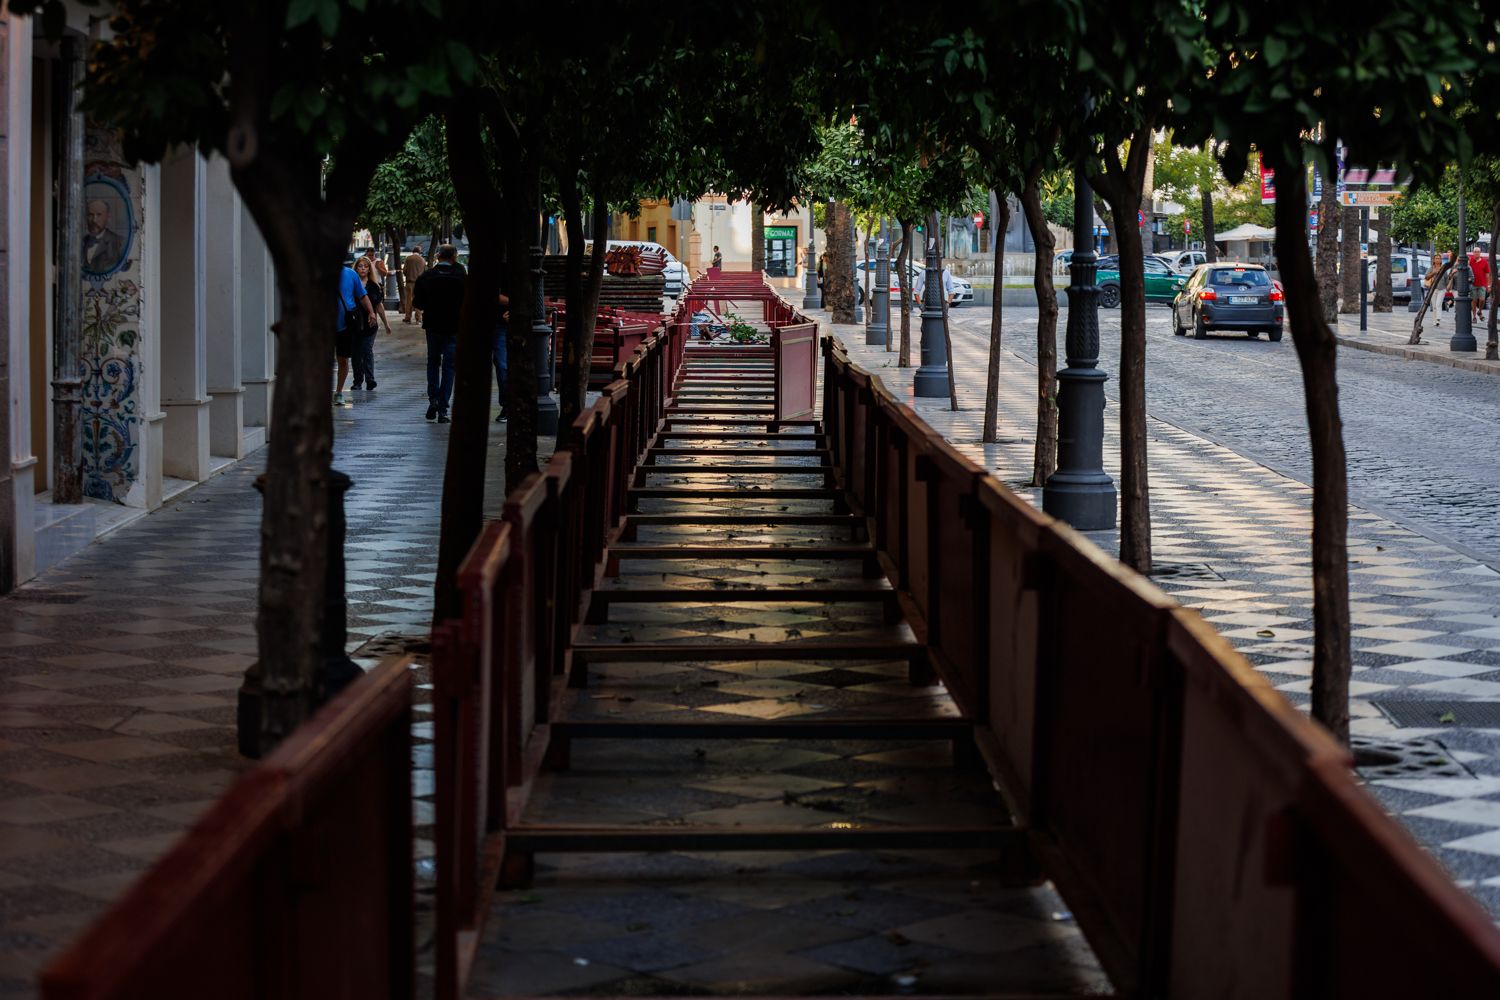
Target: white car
<point>675,273</point>
<point>1404,265</point>
<point>963,291</point>
<point>1183,261</point>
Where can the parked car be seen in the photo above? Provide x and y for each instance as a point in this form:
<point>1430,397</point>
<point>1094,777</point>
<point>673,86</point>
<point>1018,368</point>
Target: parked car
<point>675,274</point>
<point>1229,296</point>
<point>1162,283</point>
<point>1183,261</point>
<point>963,291</point>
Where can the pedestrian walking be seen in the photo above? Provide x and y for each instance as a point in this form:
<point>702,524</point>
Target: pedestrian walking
<point>412,267</point>
<point>718,259</point>
<point>501,353</point>
<point>364,343</point>
<point>1479,266</point>
<point>822,266</point>
<point>355,314</point>
<point>439,296</point>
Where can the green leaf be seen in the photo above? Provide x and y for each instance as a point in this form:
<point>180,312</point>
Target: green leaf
<point>1275,50</point>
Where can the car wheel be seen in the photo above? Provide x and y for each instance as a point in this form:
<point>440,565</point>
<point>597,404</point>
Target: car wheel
<point>1199,330</point>
<point>1274,336</point>
<point>1109,296</point>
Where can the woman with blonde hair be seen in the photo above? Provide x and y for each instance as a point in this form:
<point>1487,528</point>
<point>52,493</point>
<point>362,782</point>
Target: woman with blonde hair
<point>364,343</point>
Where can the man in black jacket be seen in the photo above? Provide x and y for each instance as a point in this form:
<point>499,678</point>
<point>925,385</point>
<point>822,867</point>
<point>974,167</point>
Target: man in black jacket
<point>439,296</point>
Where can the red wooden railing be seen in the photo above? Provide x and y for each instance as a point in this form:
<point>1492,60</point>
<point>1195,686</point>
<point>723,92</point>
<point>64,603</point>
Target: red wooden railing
<point>297,883</point>
<point>500,671</point>
<point>1210,839</point>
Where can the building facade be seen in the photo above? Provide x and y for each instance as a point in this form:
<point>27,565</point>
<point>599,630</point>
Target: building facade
<point>136,321</point>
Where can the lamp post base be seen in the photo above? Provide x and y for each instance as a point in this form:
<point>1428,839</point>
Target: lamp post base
<point>875,334</point>
<point>1080,492</point>
<point>547,418</point>
<point>931,381</point>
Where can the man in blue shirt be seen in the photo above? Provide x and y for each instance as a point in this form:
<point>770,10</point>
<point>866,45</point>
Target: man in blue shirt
<point>355,311</point>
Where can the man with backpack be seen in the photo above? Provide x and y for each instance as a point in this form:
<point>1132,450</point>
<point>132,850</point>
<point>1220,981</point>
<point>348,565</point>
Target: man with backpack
<point>439,296</point>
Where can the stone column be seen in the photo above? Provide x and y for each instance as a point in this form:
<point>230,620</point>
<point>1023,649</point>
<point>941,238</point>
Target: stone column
<point>257,342</point>
<point>184,374</point>
<point>15,197</point>
<point>223,312</point>
<point>67,344</point>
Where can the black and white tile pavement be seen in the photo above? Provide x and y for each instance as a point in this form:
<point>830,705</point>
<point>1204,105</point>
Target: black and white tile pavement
<point>119,667</point>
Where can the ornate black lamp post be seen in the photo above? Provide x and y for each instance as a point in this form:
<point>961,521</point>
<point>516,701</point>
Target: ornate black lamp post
<point>1463,322</point>
<point>879,331</point>
<point>541,345</point>
<point>810,279</point>
<point>1080,492</point>
<point>932,377</point>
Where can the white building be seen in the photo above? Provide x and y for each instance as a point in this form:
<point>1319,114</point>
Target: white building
<point>174,371</point>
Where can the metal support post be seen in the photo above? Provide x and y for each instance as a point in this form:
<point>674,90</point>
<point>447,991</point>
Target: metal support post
<point>932,377</point>
<point>1463,320</point>
<point>879,331</point>
<point>541,345</point>
<point>1080,492</point>
<point>1364,283</point>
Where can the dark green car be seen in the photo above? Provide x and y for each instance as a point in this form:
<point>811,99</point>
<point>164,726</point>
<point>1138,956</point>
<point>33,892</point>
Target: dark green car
<point>1162,283</point>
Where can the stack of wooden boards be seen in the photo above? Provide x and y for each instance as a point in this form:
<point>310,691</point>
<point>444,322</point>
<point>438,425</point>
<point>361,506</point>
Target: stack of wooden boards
<point>636,293</point>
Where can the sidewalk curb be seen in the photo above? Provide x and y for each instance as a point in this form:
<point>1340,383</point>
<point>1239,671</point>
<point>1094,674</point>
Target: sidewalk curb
<point>1481,366</point>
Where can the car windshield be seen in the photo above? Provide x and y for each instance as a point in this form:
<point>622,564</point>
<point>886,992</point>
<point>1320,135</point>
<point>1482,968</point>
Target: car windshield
<point>1239,277</point>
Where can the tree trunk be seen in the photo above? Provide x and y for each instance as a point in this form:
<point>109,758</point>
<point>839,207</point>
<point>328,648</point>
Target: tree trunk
<point>1111,238</point>
<point>582,296</point>
<point>1329,213</point>
<point>838,276</point>
<point>757,237</point>
<point>468,438</point>
<point>903,260</point>
<point>1208,226</point>
<point>1351,268</point>
<point>1121,188</point>
<point>520,206</point>
<point>1044,457</point>
<point>395,236</point>
<point>992,382</point>
<point>1427,299</point>
<point>1384,296</point>
<point>1316,350</point>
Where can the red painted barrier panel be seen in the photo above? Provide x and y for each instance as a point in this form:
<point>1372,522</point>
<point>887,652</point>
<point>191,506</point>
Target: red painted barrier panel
<point>796,352</point>
<point>297,883</point>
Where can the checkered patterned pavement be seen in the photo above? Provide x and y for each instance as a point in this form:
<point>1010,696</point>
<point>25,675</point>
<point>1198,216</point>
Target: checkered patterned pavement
<point>119,667</point>
<point>1232,539</point>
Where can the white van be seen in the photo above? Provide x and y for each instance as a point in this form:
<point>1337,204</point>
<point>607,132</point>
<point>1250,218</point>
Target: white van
<point>1404,264</point>
<point>675,273</point>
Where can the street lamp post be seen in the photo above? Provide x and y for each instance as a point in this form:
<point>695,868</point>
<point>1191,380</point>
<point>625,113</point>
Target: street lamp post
<point>879,331</point>
<point>874,332</point>
<point>1080,492</point>
<point>932,377</point>
<point>541,345</point>
<point>1463,323</point>
<point>810,279</point>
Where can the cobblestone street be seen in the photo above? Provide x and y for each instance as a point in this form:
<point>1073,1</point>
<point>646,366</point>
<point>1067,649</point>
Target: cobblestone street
<point>1228,453</point>
<point>117,718</point>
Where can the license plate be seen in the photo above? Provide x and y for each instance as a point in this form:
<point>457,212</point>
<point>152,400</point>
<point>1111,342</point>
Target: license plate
<point>1243,300</point>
